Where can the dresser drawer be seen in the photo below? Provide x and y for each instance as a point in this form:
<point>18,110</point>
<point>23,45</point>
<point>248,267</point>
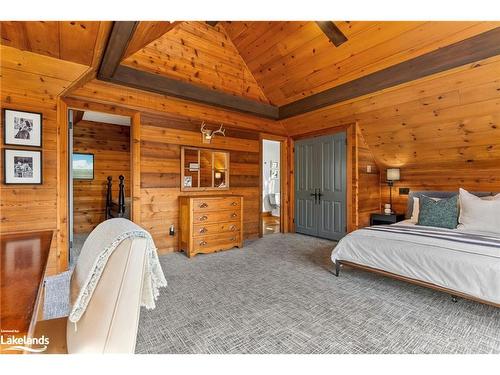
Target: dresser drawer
<point>216,204</point>
<point>209,229</point>
<point>208,244</point>
<point>215,217</point>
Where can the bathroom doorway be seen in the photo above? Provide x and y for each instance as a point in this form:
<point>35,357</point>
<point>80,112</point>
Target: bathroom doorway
<point>271,187</point>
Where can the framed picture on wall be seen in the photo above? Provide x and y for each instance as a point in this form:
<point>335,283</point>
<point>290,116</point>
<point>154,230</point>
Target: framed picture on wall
<point>22,128</point>
<point>83,166</point>
<point>22,167</point>
<point>188,181</point>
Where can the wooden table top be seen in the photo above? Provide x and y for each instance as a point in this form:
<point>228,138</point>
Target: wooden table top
<point>23,260</point>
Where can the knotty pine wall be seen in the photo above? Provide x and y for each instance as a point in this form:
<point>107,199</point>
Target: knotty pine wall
<point>368,183</point>
<point>162,137</point>
<point>30,82</point>
<point>110,145</point>
<point>443,131</point>
<point>25,208</point>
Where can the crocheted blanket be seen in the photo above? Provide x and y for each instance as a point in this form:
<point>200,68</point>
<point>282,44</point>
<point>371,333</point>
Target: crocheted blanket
<point>97,249</point>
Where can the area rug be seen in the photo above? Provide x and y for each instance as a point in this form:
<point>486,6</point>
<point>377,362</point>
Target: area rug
<point>277,295</point>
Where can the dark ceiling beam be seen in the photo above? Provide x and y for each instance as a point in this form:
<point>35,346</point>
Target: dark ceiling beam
<point>172,87</point>
<point>476,48</point>
<point>332,32</point>
<point>111,71</point>
<point>121,35</point>
<point>212,23</point>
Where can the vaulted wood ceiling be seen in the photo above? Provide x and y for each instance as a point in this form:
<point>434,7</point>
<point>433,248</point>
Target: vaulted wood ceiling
<point>281,62</point>
<point>201,54</point>
<point>292,60</point>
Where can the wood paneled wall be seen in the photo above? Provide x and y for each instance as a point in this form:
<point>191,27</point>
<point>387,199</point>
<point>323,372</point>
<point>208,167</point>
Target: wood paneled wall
<point>110,145</point>
<point>442,131</point>
<point>162,137</point>
<point>31,82</point>
<point>368,183</point>
<point>116,95</point>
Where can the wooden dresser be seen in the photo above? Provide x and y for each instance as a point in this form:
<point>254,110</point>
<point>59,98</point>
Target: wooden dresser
<point>209,223</point>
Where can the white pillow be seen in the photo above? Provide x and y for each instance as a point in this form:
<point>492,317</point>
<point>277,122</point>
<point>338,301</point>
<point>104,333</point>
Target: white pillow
<point>416,209</point>
<point>478,214</point>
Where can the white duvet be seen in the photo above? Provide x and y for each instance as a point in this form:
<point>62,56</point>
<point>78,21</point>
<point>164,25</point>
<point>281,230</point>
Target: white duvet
<point>464,262</point>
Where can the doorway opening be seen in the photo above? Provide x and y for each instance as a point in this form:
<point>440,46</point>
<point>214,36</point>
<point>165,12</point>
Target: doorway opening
<point>271,187</point>
<point>99,173</point>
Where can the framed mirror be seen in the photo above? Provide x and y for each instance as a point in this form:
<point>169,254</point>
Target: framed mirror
<point>204,169</point>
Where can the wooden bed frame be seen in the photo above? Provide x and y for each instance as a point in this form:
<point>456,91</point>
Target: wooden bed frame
<point>409,209</point>
<point>454,293</point>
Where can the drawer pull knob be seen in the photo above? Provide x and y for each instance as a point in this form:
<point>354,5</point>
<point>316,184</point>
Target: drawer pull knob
<point>203,205</point>
<point>233,239</point>
<point>203,218</point>
<point>203,230</point>
<point>232,228</point>
<point>234,204</point>
<point>203,243</point>
<point>234,215</point>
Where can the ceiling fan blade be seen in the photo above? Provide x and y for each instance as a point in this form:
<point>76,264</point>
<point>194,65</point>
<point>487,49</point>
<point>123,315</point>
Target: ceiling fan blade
<point>332,32</point>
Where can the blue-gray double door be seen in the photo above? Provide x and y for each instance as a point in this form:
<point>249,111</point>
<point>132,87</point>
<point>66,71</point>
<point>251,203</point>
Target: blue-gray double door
<point>320,186</point>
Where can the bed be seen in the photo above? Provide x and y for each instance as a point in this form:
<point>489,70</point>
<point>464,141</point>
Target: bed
<point>462,263</point>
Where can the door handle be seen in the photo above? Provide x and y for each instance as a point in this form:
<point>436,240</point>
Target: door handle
<point>319,195</point>
<point>315,195</point>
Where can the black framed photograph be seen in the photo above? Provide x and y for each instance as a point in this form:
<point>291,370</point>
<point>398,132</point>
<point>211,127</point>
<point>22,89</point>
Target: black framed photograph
<point>22,167</point>
<point>83,166</point>
<point>22,128</point>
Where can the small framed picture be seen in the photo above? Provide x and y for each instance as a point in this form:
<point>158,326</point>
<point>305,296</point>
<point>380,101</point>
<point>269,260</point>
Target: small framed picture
<point>193,167</point>
<point>22,167</point>
<point>22,128</point>
<point>83,166</point>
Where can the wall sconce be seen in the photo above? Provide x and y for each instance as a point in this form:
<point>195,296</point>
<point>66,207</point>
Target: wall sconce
<point>393,174</point>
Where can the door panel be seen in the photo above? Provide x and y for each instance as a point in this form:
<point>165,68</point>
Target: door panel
<point>305,210</point>
<point>333,187</point>
<point>321,166</point>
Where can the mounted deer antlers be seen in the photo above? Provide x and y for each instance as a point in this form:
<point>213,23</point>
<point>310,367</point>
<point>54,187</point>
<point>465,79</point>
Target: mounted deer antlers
<point>209,134</point>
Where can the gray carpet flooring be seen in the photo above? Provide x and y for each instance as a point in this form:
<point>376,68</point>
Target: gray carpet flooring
<point>277,295</point>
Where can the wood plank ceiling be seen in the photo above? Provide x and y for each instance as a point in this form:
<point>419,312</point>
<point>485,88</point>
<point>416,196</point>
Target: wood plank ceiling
<point>293,60</point>
<point>74,41</point>
<point>198,53</point>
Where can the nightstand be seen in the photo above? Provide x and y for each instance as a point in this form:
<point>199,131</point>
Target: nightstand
<point>384,219</point>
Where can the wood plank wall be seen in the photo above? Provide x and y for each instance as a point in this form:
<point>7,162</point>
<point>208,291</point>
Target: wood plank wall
<point>162,137</point>
<point>110,145</point>
<point>30,82</point>
<point>368,183</point>
<point>25,208</point>
<point>442,131</point>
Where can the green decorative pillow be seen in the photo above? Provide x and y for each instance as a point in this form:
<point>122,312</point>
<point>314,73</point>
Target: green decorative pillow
<point>442,213</point>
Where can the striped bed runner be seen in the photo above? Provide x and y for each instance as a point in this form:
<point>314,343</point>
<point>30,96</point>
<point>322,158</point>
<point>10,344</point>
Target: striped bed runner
<point>440,234</point>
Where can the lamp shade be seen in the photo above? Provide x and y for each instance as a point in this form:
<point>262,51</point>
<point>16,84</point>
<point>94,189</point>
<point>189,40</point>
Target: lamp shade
<point>393,174</point>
